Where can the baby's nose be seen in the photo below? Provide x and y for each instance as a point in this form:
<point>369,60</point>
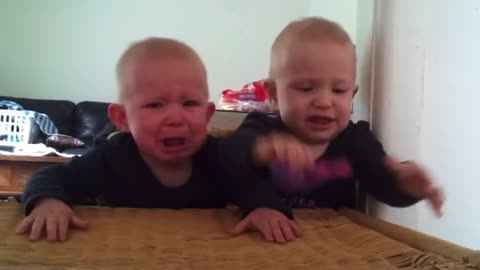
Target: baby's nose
<point>174,117</point>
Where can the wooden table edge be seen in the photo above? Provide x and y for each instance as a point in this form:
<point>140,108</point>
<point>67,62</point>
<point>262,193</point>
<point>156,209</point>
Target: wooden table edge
<point>45,159</point>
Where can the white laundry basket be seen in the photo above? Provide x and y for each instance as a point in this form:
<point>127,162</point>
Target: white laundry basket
<point>17,127</point>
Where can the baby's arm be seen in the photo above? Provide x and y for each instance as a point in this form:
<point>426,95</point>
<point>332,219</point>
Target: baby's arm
<point>72,183</point>
<point>396,184</point>
<point>250,187</point>
<point>416,181</point>
<point>249,182</point>
<point>49,194</point>
<point>294,165</point>
<point>51,217</point>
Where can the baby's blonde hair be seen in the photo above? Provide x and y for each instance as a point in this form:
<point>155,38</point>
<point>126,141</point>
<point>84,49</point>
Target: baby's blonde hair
<point>314,29</point>
<point>151,48</point>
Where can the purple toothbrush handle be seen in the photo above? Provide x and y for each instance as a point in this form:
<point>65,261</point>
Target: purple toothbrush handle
<point>325,171</point>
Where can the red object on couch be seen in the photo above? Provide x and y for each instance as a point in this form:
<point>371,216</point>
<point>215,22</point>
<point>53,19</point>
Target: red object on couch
<point>252,96</point>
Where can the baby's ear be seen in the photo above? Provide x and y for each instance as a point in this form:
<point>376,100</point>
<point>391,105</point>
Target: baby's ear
<point>210,110</point>
<point>355,91</point>
<point>118,116</point>
<point>271,88</point>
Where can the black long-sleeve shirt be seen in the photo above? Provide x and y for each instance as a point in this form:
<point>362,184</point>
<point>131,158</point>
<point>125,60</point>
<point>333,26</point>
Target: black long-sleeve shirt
<point>356,143</point>
<point>114,174</point>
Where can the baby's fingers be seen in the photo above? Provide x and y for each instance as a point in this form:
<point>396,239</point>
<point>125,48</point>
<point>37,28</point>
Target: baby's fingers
<point>299,157</point>
<point>436,200</point>
<point>281,151</point>
<point>52,225</point>
<point>63,224</point>
<point>264,152</point>
<point>266,232</point>
<point>37,228</point>
<point>296,229</point>
<point>277,232</point>
<point>79,223</point>
<point>296,157</point>
<point>287,230</point>
<point>306,161</point>
<point>309,157</point>
<point>25,225</point>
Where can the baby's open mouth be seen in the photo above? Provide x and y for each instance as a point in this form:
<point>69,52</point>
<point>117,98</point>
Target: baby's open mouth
<point>174,141</point>
<point>320,120</point>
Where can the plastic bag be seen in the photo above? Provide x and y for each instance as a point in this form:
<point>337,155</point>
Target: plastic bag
<point>251,97</point>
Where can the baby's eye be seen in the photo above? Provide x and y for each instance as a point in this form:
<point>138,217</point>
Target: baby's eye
<point>305,87</point>
<point>339,90</point>
<point>190,103</point>
<point>154,105</point>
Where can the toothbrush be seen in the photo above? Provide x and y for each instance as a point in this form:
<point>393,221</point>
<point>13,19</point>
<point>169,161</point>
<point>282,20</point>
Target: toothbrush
<point>325,171</point>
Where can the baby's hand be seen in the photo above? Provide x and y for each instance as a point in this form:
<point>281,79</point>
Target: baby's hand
<point>51,217</point>
<point>280,148</point>
<point>416,182</point>
<point>293,164</point>
<point>273,225</point>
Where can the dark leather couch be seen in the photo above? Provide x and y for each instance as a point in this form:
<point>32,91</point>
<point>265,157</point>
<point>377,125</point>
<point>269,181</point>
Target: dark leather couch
<point>88,120</point>
<point>83,121</point>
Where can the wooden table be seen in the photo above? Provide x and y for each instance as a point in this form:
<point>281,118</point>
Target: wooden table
<point>198,239</point>
<point>16,170</point>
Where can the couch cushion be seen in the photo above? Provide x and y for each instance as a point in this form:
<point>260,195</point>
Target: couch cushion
<point>89,118</point>
<point>59,111</point>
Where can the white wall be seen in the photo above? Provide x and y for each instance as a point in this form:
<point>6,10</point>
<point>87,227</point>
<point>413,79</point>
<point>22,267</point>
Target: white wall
<point>67,49</point>
<point>343,12</point>
<point>427,63</point>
